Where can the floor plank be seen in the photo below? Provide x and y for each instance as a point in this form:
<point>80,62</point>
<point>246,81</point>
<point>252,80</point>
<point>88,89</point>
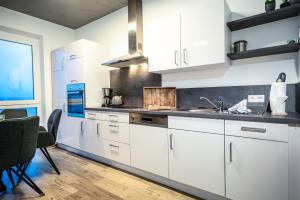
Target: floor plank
<point>83,179</point>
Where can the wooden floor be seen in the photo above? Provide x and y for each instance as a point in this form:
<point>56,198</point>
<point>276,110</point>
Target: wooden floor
<point>82,179</point>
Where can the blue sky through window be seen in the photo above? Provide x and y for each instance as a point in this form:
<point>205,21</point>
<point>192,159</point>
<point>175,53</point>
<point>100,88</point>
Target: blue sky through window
<point>16,71</point>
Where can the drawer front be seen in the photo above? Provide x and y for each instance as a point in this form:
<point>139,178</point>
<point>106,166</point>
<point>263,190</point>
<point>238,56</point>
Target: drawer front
<point>91,115</point>
<point>114,117</point>
<point>116,151</point>
<point>257,130</point>
<point>118,132</point>
<point>197,124</point>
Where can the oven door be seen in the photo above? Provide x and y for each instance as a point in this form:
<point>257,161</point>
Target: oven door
<point>76,103</point>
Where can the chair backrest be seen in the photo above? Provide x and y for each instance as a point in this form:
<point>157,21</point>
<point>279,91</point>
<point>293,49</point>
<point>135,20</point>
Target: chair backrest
<point>14,113</point>
<point>53,122</point>
<point>18,141</point>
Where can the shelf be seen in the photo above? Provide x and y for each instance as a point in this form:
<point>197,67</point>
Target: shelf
<point>287,48</point>
<point>264,18</point>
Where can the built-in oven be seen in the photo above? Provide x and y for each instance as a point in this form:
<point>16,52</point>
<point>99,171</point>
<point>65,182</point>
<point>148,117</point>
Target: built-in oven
<point>76,100</point>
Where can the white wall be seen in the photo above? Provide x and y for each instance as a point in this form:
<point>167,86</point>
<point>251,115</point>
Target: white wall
<point>112,31</point>
<point>51,37</point>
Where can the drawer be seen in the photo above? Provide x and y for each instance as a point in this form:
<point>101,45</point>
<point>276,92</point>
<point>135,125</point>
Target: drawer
<point>91,115</point>
<point>116,151</point>
<point>197,124</point>
<point>257,130</point>
<point>114,117</point>
<point>115,131</point>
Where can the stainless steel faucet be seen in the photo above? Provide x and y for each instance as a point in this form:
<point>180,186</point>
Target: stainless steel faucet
<point>220,108</point>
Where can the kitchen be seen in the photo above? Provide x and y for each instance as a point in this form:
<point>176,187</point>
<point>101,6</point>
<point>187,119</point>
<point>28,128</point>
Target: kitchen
<point>159,99</point>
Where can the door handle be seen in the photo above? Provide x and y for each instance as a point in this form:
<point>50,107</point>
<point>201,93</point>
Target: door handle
<point>81,127</point>
<point>230,152</point>
<point>185,56</point>
<point>98,128</point>
<point>176,55</point>
<point>171,142</point>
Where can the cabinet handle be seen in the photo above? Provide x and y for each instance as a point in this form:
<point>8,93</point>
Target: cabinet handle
<point>81,127</point>
<point>230,152</point>
<point>255,130</point>
<point>171,142</point>
<point>113,116</point>
<point>114,146</point>
<point>113,126</point>
<point>185,56</point>
<point>176,54</point>
<point>98,128</point>
<point>64,107</point>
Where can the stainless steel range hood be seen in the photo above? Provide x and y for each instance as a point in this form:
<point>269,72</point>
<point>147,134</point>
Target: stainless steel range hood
<point>135,38</point>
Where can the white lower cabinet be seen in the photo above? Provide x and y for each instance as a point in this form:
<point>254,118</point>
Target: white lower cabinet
<point>91,139</point>
<point>197,159</point>
<point>69,131</point>
<point>149,149</point>
<point>256,169</point>
<point>116,151</point>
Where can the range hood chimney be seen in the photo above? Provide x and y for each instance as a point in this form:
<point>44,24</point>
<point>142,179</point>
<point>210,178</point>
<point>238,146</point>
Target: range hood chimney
<point>135,38</point>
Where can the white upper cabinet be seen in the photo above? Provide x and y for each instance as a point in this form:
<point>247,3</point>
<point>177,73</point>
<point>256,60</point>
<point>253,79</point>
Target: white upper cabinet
<point>161,34</point>
<point>203,32</point>
<point>183,34</point>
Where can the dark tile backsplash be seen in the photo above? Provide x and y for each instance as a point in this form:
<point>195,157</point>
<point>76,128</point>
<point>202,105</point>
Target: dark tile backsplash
<point>189,98</point>
<point>129,83</point>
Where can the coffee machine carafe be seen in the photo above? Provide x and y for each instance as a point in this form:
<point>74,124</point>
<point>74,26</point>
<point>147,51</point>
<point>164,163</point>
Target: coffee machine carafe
<point>107,95</point>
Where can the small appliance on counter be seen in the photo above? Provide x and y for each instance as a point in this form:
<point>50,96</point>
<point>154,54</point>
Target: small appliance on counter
<point>107,95</point>
<point>76,99</point>
<point>116,100</point>
<point>160,98</point>
<point>278,96</point>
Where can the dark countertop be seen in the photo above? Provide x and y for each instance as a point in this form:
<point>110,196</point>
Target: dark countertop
<point>291,118</point>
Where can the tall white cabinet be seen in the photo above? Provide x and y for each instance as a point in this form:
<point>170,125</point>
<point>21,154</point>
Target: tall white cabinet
<point>183,34</point>
<point>78,62</point>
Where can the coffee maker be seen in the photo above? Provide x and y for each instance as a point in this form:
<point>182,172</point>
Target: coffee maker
<point>107,95</point>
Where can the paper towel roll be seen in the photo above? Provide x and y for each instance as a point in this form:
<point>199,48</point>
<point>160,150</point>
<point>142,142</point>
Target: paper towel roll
<point>278,98</point>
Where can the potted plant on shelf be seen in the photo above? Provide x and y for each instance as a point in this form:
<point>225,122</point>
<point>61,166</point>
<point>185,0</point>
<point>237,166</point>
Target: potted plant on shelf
<point>270,5</point>
<point>292,2</point>
<point>285,3</point>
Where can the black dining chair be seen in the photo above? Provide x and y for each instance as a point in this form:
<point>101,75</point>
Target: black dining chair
<point>47,138</point>
<point>18,142</point>
<point>14,113</point>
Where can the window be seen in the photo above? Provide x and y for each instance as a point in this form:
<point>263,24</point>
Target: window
<point>20,73</point>
<point>16,81</point>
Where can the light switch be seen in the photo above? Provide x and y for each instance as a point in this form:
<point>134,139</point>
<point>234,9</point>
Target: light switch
<point>256,98</point>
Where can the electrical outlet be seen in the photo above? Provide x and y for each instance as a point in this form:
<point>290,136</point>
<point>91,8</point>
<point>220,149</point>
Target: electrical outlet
<point>256,98</point>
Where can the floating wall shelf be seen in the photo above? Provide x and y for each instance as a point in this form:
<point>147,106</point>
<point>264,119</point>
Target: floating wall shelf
<point>264,18</point>
<point>288,48</point>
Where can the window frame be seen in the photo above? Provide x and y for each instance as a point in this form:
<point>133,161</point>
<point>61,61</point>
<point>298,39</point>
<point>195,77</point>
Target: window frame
<point>36,62</point>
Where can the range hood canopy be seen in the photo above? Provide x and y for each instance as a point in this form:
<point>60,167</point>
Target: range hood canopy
<point>135,38</point>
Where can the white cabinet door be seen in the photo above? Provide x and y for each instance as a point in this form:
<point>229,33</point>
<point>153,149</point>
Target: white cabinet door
<point>149,149</point>
<point>197,159</point>
<point>70,131</point>
<point>202,32</point>
<point>256,169</point>
<point>74,70</point>
<point>91,140</point>
<point>161,35</point>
